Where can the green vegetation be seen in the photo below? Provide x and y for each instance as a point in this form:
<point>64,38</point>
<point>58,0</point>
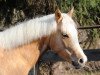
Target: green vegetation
<point>87,13</point>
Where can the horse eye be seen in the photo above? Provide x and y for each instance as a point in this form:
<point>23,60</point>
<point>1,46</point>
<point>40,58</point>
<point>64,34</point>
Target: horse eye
<point>65,35</point>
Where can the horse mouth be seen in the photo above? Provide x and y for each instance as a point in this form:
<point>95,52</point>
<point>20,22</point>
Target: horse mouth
<point>76,65</point>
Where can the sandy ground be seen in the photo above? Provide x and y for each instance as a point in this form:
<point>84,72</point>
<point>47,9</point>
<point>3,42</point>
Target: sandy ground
<point>52,64</point>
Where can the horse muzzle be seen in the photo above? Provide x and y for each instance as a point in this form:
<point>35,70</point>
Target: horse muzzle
<point>76,65</point>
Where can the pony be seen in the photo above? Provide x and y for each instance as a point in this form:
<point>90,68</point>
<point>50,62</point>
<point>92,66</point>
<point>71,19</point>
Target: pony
<point>23,44</point>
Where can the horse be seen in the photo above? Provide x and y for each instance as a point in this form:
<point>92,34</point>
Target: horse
<point>23,44</point>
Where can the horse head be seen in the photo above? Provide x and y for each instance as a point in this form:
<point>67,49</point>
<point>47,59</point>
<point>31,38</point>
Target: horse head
<point>65,41</point>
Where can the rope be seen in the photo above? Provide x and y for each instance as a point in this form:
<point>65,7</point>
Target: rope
<point>89,27</point>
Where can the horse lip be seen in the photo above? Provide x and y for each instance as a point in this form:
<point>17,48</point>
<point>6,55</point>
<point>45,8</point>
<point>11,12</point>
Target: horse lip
<point>76,65</point>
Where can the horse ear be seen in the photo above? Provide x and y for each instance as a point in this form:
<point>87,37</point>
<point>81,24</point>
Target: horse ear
<point>70,13</point>
<point>58,16</point>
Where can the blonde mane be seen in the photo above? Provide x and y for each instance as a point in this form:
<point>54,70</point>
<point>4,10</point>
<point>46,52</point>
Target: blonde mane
<point>27,31</point>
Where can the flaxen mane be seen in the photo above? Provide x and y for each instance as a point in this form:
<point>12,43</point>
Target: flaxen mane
<point>28,31</point>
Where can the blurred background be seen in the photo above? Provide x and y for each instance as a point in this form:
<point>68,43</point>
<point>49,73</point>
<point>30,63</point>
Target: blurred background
<point>86,13</point>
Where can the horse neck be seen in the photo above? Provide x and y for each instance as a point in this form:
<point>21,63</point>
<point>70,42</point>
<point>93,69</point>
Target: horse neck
<point>44,44</point>
<point>32,51</point>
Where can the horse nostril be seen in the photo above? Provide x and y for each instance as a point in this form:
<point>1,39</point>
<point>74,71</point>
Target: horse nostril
<point>81,61</point>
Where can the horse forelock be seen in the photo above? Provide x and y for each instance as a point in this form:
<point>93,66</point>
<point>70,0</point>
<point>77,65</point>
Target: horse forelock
<point>68,25</point>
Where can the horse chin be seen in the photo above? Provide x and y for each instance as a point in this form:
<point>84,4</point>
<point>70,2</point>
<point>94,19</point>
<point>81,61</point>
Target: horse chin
<point>76,65</point>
